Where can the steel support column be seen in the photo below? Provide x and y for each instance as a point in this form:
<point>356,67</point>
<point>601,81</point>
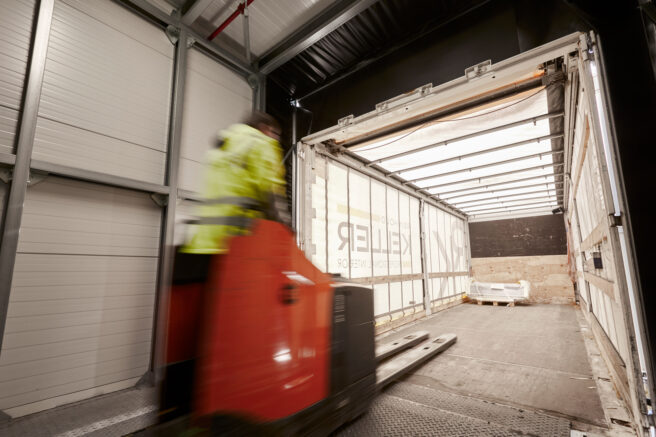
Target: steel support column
<point>259,101</point>
<point>167,250</point>
<point>25,141</point>
<point>294,174</point>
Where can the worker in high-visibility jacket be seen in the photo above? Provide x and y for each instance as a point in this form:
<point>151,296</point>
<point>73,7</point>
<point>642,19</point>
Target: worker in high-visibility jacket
<point>245,180</point>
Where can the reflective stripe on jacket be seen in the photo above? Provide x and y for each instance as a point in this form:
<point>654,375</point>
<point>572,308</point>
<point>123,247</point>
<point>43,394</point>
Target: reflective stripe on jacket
<point>239,181</point>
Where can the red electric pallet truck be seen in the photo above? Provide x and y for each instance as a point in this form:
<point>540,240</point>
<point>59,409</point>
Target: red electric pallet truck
<point>270,345</point>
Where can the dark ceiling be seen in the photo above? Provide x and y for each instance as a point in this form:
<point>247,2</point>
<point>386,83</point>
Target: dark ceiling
<point>377,31</point>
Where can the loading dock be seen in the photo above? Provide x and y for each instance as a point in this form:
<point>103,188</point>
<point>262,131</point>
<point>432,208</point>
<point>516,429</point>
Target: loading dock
<point>95,188</point>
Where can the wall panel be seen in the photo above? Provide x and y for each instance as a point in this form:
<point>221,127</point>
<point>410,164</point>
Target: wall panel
<point>215,98</point>
<point>83,293</point>
<point>106,92</point>
<point>15,34</point>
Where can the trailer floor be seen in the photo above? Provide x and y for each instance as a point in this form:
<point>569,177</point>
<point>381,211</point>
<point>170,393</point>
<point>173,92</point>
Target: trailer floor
<point>513,371</point>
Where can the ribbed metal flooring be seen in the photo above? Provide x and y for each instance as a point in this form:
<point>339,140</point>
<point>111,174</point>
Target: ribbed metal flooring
<point>411,410</point>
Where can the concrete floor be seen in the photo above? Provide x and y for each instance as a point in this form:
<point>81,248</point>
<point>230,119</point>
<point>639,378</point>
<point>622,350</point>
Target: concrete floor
<point>513,371</point>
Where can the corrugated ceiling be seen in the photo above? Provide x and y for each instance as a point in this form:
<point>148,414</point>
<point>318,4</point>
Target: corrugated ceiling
<point>269,21</point>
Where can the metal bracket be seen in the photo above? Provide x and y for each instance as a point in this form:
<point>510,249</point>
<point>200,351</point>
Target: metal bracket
<point>190,42</point>
<point>146,380</point>
<point>173,34</point>
<point>253,80</point>
<point>555,77</point>
<point>478,70</point>
<point>405,98</point>
<point>332,148</point>
<point>160,199</point>
<point>6,174</point>
<point>615,220</point>
<point>36,177</point>
<point>345,121</point>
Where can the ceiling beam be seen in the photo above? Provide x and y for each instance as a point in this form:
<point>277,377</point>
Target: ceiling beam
<point>158,16</point>
<point>496,199</point>
<point>193,9</point>
<point>485,190</point>
<point>480,152</point>
<point>491,164</point>
<point>505,173</point>
<point>511,207</point>
<point>502,215</point>
<point>311,32</point>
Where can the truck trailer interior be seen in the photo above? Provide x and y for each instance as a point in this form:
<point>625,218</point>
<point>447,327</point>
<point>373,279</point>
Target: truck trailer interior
<point>479,168</point>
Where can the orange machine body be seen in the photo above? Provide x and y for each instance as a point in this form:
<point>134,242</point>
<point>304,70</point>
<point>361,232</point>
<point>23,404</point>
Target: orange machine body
<point>264,350</point>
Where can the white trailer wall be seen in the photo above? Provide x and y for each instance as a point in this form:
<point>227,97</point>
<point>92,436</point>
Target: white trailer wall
<point>368,231</point>
<point>447,271</point>
<point>598,285</point>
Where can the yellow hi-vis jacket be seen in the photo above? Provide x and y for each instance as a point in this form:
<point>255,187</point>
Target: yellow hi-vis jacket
<point>240,179</point>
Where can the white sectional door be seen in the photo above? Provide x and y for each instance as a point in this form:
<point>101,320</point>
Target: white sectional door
<point>215,98</point>
<point>106,92</point>
<point>15,32</point>
<point>81,307</point>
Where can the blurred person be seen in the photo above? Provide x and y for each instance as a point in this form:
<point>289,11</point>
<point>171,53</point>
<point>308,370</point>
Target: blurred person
<point>244,181</point>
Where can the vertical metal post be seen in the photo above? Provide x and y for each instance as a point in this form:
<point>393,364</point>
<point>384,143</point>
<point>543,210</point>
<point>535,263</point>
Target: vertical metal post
<point>167,251</point>
<point>247,34</point>
<point>25,142</point>
<point>348,217</point>
<point>294,159</point>
<point>261,93</point>
<point>422,235</point>
<point>468,251</point>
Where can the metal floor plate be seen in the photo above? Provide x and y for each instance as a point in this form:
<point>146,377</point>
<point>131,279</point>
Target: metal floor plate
<point>111,415</point>
<point>411,410</point>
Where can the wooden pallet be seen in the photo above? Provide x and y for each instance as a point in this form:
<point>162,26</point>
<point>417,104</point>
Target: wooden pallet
<point>495,302</point>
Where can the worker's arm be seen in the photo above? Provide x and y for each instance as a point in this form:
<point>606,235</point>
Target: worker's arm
<point>267,170</point>
<point>269,174</point>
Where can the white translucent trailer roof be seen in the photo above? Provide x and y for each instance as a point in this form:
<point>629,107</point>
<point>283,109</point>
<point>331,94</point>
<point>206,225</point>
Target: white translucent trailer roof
<point>494,159</point>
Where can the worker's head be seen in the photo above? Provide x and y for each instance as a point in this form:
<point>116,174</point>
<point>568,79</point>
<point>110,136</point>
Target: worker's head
<point>265,123</point>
